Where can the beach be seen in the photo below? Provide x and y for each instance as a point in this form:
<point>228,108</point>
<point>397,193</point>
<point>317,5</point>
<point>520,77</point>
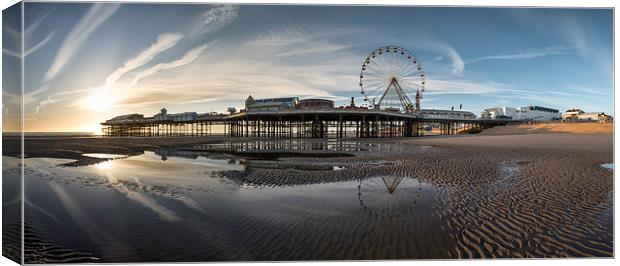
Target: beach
<point>506,195</point>
<point>555,127</point>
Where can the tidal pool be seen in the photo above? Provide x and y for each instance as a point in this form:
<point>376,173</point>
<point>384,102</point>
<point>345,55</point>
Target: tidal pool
<point>608,165</point>
<point>171,206</point>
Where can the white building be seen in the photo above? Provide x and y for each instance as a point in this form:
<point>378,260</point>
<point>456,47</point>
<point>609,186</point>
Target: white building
<point>500,113</point>
<point>539,113</point>
<point>530,113</point>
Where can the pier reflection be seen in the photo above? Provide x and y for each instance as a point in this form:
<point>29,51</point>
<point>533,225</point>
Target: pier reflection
<point>325,145</point>
<point>250,164</point>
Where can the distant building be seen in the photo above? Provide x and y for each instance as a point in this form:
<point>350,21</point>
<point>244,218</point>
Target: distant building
<point>528,113</point>
<point>539,113</point>
<point>316,104</point>
<point>509,113</point>
<point>572,114</point>
<point>433,113</point>
<point>595,117</point>
<point>578,115</point>
<point>163,115</point>
<point>272,104</point>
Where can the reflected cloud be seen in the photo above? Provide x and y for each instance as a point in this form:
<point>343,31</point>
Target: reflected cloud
<point>146,201</point>
<point>89,227</point>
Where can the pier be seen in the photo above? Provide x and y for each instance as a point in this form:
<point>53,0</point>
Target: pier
<point>299,123</point>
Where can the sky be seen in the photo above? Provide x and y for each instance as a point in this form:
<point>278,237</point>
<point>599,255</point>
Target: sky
<point>85,63</point>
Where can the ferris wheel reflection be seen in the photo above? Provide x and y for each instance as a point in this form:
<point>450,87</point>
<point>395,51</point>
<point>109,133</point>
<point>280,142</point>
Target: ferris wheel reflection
<point>389,196</point>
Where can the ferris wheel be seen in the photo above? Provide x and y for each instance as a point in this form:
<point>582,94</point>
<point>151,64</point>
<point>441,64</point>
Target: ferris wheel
<point>390,77</point>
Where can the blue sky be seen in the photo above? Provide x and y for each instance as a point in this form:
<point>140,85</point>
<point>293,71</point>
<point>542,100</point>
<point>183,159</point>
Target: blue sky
<point>89,62</point>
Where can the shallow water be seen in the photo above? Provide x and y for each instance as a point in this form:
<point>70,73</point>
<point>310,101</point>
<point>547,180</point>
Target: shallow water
<point>177,206</point>
<point>104,155</point>
<point>608,165</point>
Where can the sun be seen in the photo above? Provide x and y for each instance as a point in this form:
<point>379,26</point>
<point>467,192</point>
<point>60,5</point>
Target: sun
<point>100,100</point>
<point>95,129</point>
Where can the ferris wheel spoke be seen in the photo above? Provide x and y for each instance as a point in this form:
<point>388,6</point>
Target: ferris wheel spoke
<point>376,80</point>
<point>391,62</point>
<point>406,68</point>
<point>414,72</point>
<point>401,62</point>
<point>399,67</point>
<point>371,90</point>
<point>384,62</point>
<point>374,92</point>
<point>376,71</point>
<point>373,78</point>
<point>395,62</point>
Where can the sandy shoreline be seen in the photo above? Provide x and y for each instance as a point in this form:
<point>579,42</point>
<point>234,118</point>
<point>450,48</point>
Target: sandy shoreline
<point>533,195</point>
<point>566,127</point>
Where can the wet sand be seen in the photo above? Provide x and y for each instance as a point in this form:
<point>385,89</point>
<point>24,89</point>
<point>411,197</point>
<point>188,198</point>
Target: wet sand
<point>539,195</point>
<point>536,195</point>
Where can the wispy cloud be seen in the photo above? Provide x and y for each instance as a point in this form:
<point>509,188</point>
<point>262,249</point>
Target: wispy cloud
<point>11,53</point>
<point>95,16</point>
<point>523,55</point>
<point>55,97</point>
<point>211,20</point>
<point>283,37</point>
<point>189,57</point>
<point>15,32</point>
<point>575,31</point>
<point>431,43</point>
<point>468,87</point>
<point>163,43</point>
<point>250,67</point>
<point>17,36</point>
<point>39,45</point>
<point>590,90</point>
<point>38,21</point>
<point>28,98</point>
<point>457,62</point>
<point>214,19</point>
<point>45,102</point>
<point>33,49</point>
